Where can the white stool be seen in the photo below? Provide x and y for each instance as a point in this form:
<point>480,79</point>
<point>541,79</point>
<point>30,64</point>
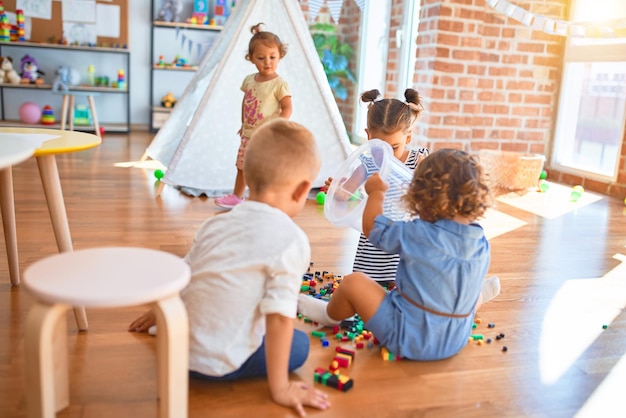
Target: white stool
<point>68,104</point>
<point>104,278</point>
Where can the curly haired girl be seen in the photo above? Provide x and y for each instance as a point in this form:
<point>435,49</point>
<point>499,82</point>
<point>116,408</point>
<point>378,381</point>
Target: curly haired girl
<point>444,257</point>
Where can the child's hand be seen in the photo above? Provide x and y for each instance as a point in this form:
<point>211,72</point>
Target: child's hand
<point>143,323</point>
<point>298,395</point>
<point>327,183</point>
<point>375,184</point>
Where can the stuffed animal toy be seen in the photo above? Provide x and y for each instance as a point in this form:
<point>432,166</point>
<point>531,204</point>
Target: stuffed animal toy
<point>66,76</point>
<point>170,10</point>
<point>168,100</point>
<point>30,72</point>
<point>7,73</point>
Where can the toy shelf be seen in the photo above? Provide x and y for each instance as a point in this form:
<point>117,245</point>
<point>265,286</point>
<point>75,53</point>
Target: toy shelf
<point>66,47</point>
<point>184,25</point>
<point>71,88</point>
<point>174,68</point>
<point>113,104</point>
<point>110,127</point>
<point>171,42</point>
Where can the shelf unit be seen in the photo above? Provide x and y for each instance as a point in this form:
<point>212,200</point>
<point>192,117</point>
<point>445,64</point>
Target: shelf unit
<point>109,100</point>
<point>172,39</point>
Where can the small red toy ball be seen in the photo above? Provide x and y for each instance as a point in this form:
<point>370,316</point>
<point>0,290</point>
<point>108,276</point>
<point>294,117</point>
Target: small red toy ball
<point>102,130</point>
<point>30,113</point>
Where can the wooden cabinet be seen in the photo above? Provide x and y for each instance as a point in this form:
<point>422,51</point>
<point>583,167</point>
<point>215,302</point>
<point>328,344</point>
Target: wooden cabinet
<point>112,102</point>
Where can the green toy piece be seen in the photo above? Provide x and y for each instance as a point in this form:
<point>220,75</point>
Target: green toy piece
<point>543,175</point>
<point>320,197</point>
<point>159,174</point>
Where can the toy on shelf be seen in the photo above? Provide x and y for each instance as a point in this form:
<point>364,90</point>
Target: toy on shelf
<point>47,115</point>
<point>21,31</point>
<point>82,115</point>
<point>7,73</point>
<point>121,80</point>
<point>200,15</point>
<point>168,100</point>
<point>66,76</point>
<point>221,12</point>
<point>5,28</point>
<point>161,62</point>
<point>30,113</point>
<point>30,72</point>
<point>91,75</point>
<point>170,10</point>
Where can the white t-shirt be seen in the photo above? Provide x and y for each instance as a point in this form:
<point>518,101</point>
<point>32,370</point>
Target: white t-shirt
<point>244,264</point>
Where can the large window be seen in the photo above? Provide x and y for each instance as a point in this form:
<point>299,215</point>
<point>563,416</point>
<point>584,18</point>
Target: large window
<point>590,124</point>
<point>372,58</point>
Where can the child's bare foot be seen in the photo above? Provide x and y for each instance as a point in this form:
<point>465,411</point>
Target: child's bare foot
<point>143,323</point>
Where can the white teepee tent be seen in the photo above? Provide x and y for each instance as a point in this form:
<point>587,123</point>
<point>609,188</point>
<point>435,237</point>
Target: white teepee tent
<point>199,141</point>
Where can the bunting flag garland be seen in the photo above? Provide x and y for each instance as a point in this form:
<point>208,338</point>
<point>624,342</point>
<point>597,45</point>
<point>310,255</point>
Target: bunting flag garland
<point>334,6</point>
<point>615,28</point>
<point>314,8</point>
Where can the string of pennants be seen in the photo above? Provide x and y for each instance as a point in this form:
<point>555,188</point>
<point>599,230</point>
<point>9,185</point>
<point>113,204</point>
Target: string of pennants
<point>201,47</point>
<point>615,28</point>
<point>334,7</point>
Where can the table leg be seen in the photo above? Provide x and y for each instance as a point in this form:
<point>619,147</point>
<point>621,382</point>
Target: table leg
<point>7,208</point>
<point>172,357</point>
<point>49,174</point>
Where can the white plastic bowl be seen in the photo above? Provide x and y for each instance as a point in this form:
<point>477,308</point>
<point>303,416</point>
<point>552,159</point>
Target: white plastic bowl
<point>346,196</point>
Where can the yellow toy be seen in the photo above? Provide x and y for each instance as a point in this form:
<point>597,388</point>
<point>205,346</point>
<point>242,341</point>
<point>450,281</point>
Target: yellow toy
<point>168,100</point>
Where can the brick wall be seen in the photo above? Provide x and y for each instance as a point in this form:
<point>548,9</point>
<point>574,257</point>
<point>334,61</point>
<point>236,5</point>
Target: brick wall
<point>489,82</point>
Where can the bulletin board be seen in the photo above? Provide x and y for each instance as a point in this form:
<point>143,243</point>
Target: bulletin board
<point>43,29</point>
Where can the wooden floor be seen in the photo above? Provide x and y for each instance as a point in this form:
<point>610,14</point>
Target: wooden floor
<point>562,280</point>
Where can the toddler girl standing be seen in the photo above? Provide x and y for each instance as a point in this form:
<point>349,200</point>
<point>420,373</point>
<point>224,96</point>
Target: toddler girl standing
<point>266,96</point>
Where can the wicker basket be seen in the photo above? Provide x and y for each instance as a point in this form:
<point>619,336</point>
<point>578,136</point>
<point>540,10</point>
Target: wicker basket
<point>511,171</point>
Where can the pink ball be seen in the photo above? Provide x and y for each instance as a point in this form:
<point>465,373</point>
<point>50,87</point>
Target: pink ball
<point>30,113</point>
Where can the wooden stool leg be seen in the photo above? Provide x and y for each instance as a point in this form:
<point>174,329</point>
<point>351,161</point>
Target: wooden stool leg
<point>46,363</point>
<point>71,112</point>
<point>7,209</point>
<point>172,357</point>
<point>49,174</point>
<point>94,116</point>
<point>66,99</point>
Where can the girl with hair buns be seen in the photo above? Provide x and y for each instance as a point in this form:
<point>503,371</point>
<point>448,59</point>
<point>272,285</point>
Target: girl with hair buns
<point>392,121</point>
<point>266,96</point>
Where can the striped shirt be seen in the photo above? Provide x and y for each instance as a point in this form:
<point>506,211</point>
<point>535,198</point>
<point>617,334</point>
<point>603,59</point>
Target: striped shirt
<point>377,264</point>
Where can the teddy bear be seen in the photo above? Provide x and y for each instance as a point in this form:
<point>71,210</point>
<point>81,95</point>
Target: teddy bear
<point>168,100</point>
<point>30,71</point>
<point>66,76</point>
<point>7,73</point>
<point>170,10</point>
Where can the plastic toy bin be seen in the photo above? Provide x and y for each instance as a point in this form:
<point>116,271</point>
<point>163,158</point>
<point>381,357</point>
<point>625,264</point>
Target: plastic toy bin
<point>346,196</point>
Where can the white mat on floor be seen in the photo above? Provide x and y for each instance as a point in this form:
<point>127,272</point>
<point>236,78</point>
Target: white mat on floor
<point>150,164</point>
<point>497,223</point>
<point>556,201</point>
